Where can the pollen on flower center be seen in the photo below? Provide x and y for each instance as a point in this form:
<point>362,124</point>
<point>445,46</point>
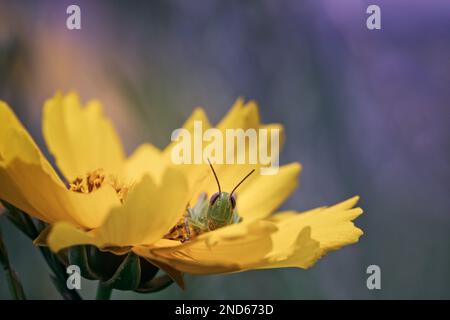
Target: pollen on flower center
<point>94,180</point>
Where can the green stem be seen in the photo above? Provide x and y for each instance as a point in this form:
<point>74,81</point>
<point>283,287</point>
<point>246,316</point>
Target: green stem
<point>15,287</point>
<point>103,291</point>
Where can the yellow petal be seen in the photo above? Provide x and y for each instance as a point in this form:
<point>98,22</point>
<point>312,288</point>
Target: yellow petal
<point>29,182</point>
<point>259,197</point>
<point>63,235</point>
<point>302,252</point>
<point>228,249</point>
<point>149,212</point>
<point>331,226</point>
<point>246,116</point>
<point>146,159</point>
<point>240,115</point>
<point>80,138</point>
<point>147,215</point>
<point>302,238</point>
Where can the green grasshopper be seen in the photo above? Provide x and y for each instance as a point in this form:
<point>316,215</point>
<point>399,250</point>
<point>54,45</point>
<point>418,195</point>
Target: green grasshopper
<point>206,215</point>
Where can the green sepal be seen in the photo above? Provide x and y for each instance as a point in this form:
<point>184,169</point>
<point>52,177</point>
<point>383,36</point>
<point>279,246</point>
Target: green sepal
<point>21,220</point>
<point>103,263</point>
<point>78,256</point>
<point>148,271</point>
<point>155,284</point>
<point>127,275</point>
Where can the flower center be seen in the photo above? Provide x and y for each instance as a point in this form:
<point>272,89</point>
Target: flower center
<point>94,180</point>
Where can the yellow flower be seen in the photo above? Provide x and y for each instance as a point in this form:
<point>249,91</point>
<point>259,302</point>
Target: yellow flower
<point>123,204</point>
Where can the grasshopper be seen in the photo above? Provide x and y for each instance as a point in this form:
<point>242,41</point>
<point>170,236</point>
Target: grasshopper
<point>206,215</point>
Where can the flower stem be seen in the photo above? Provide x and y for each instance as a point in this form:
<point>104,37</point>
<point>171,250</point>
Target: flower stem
<point>103,291</point>
<point>15,287</point>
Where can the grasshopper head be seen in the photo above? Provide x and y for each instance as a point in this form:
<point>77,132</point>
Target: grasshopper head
<point>221,209</point>
<point>223,196</point>
<point>222,204</point>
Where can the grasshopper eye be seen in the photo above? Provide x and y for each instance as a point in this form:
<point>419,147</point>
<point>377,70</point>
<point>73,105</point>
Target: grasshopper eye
<point>233,201</point>
<point>214,198</point>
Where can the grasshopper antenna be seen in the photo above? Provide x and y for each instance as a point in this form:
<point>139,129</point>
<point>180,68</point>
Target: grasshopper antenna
<point>248,175</point>
<point>215,176</point>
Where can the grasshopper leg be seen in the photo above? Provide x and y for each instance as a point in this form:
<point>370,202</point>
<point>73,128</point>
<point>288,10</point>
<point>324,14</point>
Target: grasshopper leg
<point>196,224</point>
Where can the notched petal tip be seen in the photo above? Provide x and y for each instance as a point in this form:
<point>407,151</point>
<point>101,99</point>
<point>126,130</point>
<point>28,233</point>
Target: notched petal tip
<point>331,228</point>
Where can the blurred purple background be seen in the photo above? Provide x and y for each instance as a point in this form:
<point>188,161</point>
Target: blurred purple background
<point>365,112</point>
